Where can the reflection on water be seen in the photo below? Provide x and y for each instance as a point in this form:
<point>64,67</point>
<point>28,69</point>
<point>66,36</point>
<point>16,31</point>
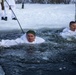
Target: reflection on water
<point>54,57</point>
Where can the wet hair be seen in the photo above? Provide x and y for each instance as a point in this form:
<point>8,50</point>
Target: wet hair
<point>72,22</point>
<point>31,31</point>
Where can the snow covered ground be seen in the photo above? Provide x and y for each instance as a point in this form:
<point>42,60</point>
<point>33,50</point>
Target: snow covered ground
<point>35,16</point>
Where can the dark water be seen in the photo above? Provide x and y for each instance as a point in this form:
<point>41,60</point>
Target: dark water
<point>56,56</point>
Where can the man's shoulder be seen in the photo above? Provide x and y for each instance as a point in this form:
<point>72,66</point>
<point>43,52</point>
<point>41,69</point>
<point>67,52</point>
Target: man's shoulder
<point>66,29</point>
<point>39,39</point>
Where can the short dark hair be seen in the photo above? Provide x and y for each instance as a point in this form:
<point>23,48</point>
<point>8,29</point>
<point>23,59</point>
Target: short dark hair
<point>72,22</point>
<point>31,31</point>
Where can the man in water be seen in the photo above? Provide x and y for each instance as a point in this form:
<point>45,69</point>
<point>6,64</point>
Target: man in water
<point>69,33</point>
<point>29,37</point>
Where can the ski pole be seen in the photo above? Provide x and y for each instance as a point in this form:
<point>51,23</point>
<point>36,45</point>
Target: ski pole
<point>16,17</point>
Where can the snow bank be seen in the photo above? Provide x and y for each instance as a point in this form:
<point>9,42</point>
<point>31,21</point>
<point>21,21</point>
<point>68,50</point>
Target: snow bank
<point>35,16</point>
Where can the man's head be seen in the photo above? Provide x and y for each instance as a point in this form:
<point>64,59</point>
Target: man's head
<point>30,35</point>
<point>72,25</point>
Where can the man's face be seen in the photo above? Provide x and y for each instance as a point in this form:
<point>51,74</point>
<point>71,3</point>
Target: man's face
<point>73,27</point>
<point>30,37</point>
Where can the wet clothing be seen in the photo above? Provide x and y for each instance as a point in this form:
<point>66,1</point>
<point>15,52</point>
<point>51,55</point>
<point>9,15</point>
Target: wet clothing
<point>21,40</point>
<point>68,34</point>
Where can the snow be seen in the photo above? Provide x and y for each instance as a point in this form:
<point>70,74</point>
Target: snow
<point>35,16</point>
